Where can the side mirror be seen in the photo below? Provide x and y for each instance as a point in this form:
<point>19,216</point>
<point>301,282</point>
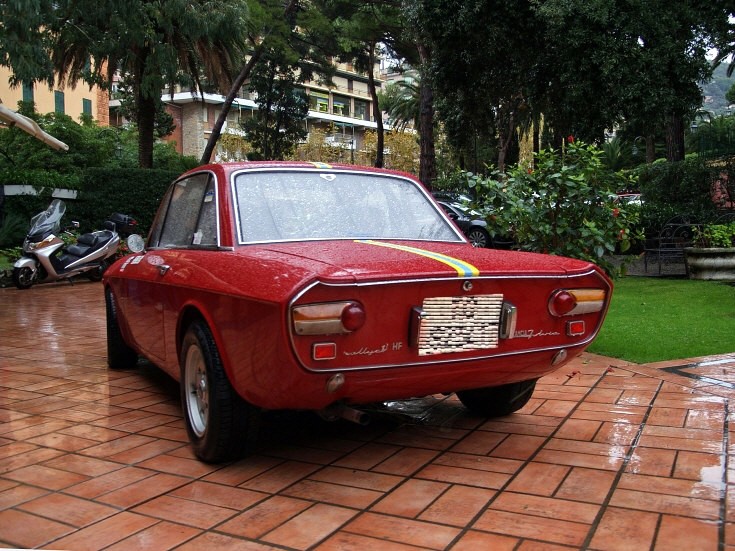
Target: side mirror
<point>136,244</point>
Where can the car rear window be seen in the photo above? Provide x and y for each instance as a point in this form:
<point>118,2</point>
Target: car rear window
<point>293,205</point>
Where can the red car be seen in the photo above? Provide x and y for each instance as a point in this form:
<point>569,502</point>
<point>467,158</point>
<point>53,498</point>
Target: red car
<point>268,286</point>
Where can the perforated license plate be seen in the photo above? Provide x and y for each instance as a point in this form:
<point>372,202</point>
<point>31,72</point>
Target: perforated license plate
<point>459,324</point>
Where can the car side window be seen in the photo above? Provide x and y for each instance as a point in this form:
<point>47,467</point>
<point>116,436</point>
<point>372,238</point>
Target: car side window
<point>206,232</point>
<point>191,216</point>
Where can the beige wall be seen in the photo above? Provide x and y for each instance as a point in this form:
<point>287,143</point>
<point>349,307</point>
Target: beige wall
<point>45,103</point>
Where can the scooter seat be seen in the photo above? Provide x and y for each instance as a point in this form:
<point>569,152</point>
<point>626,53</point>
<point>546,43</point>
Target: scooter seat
<point>88,239</point>
<point>78,250</point>
<point>88,242</point>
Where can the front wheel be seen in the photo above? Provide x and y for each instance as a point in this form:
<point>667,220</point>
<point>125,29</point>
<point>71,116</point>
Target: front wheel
<point>478,237</point>
<point>23,277</point>
<point>498,400</point>
<point>220,424</point>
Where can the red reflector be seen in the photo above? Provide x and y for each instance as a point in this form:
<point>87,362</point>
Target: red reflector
<point>324,351</point>
<point>353,317</point>
<point>562,303</point>
<point>575,328</point>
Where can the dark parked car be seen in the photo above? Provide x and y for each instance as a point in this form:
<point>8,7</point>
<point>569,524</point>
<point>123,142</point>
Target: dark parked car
<point>469,221</point>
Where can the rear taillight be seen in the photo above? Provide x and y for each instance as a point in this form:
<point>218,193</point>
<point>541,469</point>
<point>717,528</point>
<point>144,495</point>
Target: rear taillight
<point>328,318</point>
<point>572,302</point>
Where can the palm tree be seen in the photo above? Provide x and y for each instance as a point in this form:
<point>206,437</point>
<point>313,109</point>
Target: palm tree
<point>401,102</point>
<point>154,44</point>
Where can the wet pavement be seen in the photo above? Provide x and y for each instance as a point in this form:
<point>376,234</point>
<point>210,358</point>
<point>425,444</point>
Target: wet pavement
<point>607,455</point>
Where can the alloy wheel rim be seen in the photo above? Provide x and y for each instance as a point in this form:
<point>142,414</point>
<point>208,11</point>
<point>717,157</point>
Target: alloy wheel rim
<point>197,391</point>
<point>477,239</point>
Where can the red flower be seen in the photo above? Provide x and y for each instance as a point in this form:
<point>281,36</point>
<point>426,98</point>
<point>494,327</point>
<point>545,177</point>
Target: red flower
<point>570,138</point>
<point>529,170</point>
<point>616,213</point>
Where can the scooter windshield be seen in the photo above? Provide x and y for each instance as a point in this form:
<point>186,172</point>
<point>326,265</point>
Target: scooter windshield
<point>48,221</point>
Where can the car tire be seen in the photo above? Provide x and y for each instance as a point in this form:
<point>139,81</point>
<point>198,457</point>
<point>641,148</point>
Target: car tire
<point>220,424</point>
<point>498,400</point>
<point>478,237</point>
<point>23,277</point>
<point>119,354</point>
<point>97,273</point>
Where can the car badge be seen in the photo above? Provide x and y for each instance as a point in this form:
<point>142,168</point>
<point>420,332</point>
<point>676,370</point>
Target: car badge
<point>328,177</point>
<point>467,286</point>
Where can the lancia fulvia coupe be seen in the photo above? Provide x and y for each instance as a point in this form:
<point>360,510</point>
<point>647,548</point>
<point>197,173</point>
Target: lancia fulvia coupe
<point>305,286</point>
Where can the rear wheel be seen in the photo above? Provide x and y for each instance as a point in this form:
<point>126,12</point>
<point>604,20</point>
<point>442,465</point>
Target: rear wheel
<point>23,277</point>
<point>498,400</point>
<point>96,273</point>
<point>220,424</point>
<point>119,354</point>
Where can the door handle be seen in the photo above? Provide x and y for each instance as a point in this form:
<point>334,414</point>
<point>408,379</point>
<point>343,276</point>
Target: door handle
<point>163,268</point>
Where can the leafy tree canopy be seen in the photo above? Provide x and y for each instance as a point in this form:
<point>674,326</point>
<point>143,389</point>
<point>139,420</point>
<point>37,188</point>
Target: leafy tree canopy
<point>585,66</point>
<point>278,124</point>
<point>158,44</point>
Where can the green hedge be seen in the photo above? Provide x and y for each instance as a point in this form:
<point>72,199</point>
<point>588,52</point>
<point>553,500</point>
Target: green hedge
<point>39,178</point>
<point>101,192</point>
<point>136,192</point>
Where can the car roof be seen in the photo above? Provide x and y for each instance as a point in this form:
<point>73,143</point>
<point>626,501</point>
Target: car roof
<point>230,167</point>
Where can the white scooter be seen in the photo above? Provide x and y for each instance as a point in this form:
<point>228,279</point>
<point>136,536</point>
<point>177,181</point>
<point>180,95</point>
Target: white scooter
<point>45,259</point>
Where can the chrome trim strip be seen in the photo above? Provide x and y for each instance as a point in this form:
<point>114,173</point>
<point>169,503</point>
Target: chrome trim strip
<point>434,279</point>
<point>337,170</point>
<point>354,238</point>
<point>451,361</point>
<point>301,293</point>
<point>217,205</point>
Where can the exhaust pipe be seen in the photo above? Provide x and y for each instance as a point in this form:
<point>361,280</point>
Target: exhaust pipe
<point>337,411</point>
<point>354,415</point>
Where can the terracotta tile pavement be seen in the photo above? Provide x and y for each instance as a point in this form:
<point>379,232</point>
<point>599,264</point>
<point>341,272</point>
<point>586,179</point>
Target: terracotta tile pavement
<point>607,455</point>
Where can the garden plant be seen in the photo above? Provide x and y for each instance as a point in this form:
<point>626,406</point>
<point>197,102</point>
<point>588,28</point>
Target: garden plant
<point>566,204</point>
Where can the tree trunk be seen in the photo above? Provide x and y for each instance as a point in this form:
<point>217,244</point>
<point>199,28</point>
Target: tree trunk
<point>145,116</point>
<point>146,121</point>
<point>675,138</point>
<point>650,148</point>
<point>236,85</point>
<point>427,159</point>
<point>505,135</point>
<point>377,115</point>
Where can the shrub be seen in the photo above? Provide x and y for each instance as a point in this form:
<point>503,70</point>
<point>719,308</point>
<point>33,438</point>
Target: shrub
<point>12,230</point>
<point>672,188</point>
<point>39,178</point>
<point>567,205</point>
<point>133,191</point>
<point>715,235</point>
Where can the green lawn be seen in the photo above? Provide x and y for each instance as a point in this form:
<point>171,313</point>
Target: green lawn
<point>653,319</point>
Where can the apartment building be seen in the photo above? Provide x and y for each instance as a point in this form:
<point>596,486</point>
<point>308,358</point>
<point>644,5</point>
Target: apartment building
<point>344,111</point>
<point>72,101</point>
